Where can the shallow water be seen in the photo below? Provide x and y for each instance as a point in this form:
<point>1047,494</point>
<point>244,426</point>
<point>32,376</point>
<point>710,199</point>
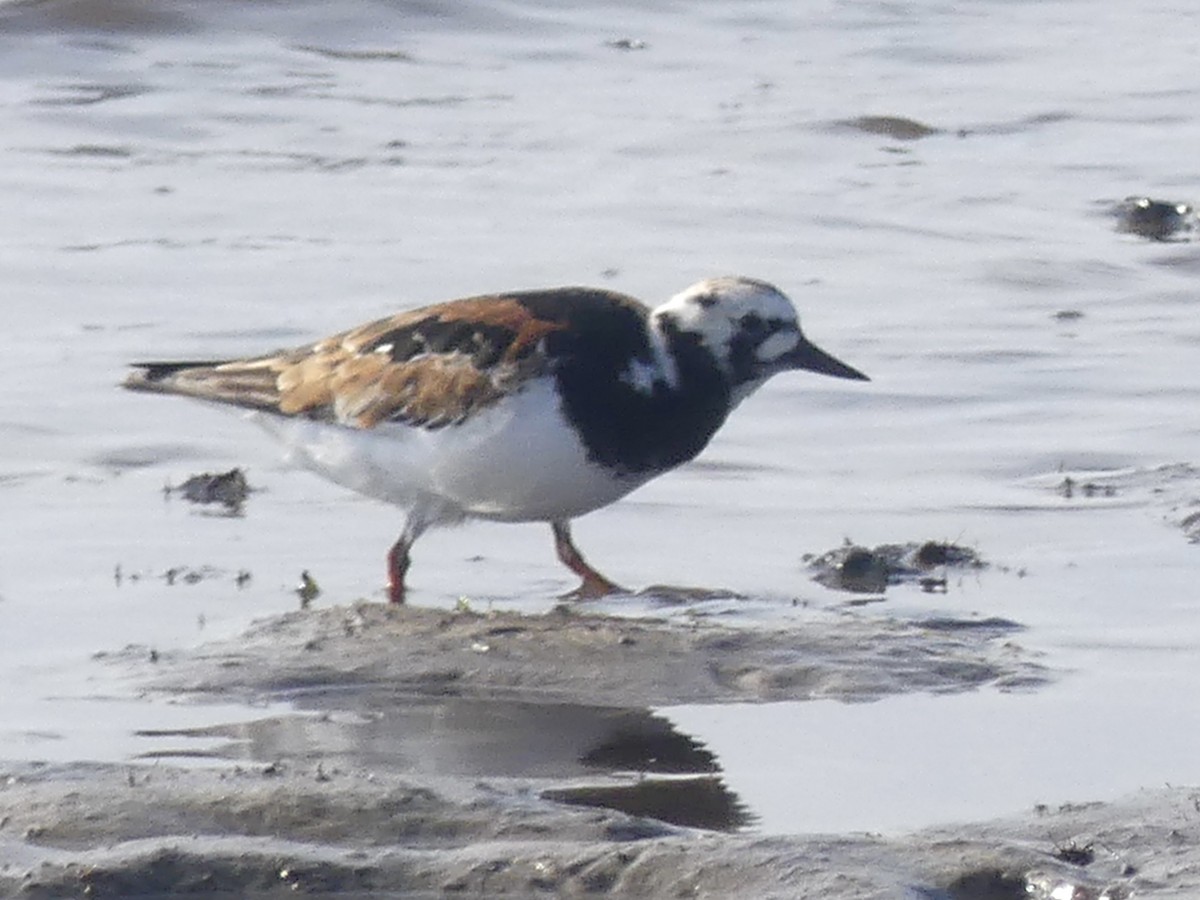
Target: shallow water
<point>212,179</point>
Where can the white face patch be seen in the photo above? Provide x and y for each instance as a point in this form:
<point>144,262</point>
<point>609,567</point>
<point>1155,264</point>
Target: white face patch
<point>776,345</point>
<point>714,311</point>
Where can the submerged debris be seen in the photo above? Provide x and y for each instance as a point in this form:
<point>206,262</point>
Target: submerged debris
<point>177,575</point>
<point>230,489</point>
<point>1068,487</point>
<point>898,127</point>
<point>1157,220</point>
<point>188,575</point>
<point>863,570</point>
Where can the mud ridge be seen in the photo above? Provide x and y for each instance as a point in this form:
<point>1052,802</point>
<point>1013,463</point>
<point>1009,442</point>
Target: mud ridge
<point>571,656</point>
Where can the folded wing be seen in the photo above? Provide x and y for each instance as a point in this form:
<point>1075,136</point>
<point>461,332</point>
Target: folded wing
<point>430,367</point>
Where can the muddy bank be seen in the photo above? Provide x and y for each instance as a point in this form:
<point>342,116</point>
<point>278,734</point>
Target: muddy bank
<point>117,831</point>
<point>432,751</point>
<point>570,655</point>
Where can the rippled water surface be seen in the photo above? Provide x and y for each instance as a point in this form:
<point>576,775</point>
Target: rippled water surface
<point>211,179</point>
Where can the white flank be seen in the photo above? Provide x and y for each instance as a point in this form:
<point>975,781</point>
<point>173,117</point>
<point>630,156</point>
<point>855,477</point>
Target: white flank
<point>516,461</point>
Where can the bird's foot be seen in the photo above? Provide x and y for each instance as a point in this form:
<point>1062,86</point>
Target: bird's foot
<point>593,587</point>
<point>594,584</point>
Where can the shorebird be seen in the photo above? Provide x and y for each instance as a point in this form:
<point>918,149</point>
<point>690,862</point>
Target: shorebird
<point>530,406</point>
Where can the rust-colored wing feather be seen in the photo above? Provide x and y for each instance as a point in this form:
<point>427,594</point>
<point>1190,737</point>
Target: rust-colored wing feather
<point>429,367</point>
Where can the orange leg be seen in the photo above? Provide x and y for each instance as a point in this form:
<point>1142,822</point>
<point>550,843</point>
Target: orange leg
<point>594,584</point>
<point>398,558</point>
<point>397,563</point>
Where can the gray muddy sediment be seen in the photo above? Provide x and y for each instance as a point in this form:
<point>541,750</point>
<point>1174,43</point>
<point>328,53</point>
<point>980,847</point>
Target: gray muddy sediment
<point>116,831</point>
<point>568,655</point>
<point>437,750</point>
<point>432,751</point>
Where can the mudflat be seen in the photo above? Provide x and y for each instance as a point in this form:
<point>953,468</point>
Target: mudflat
<point>327,799</point>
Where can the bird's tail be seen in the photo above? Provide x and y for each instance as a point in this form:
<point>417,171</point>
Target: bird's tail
<point>247,384</point>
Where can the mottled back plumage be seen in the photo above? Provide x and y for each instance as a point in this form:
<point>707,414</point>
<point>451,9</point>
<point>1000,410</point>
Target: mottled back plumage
<point>430,367</point>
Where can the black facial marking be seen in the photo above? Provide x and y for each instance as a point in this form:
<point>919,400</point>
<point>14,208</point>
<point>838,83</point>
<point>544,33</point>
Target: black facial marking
<point>751,323</point>
<point>636,433</point>
<point>744,362</point>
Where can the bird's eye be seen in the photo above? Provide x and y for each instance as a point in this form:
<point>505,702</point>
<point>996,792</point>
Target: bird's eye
<point>752,323</point>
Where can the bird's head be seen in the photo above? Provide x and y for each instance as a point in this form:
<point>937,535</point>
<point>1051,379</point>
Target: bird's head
<point>750,328</point>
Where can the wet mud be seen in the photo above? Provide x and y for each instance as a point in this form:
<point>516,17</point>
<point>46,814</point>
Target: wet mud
<point>569,655</point>
<point>115,831</point>
<point>476,752</point>
<point>484,752</point>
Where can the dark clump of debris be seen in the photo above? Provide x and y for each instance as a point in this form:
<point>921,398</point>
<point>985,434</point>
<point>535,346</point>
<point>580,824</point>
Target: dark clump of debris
<point>1158,220</point>
<point>307,590</point>
<point>1075,854</point>
<point>229,489</point>
<point>864,570</point>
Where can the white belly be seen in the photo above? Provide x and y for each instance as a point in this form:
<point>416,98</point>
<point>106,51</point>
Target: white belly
<point>515,461</point>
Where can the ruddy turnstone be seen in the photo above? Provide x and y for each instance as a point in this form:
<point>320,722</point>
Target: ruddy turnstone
<point>533,406</point>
